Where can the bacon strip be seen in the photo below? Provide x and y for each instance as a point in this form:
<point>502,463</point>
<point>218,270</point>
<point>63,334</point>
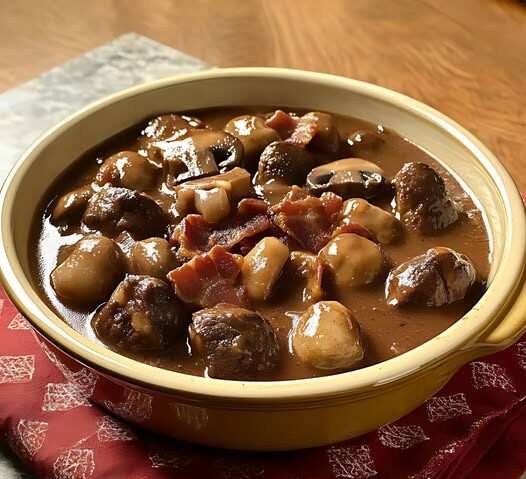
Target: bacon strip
<point>209,279</point>
<point>282,122</point>
<point>306,129</point>
<point>299,131</point>
<point>307,219</point>
<point>195,236</point>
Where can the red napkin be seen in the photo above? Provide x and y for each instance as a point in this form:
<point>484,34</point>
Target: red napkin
<point>474,428</point>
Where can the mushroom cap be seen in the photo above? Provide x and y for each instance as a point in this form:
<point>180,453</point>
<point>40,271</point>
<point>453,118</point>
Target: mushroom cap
<point>349,177</point>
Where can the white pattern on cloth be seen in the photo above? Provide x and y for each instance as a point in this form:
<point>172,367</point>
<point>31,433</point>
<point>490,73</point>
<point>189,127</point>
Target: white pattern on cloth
<point>351,462</point>
<point>17,369</point>
<point>486,375</point>
<point>28,437</point>
<point>442,408</point>
<point>401,437</point>
<point>19,322</point>
<point>74,464</point>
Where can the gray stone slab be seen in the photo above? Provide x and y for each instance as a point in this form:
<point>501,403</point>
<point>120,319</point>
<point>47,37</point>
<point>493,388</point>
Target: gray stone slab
<point>30,109</point>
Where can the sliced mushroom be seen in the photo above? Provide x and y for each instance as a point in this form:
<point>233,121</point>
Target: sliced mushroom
<point>285,162</point>
<point>352,260</point>
<point>89,273</point>
<point>328,337</point>
<point>213,204</point>
<point>382,224</point>
<point>262,267</point>
<point>152,257</point>
<point>71,206</point>
<point>422,200</point>
<point>254,134</point>
<point>350,177</point>
<point>142,314</point>
<point>440,276</point>
<point>235,343</point>
<point>235,183</point>
<point>129,170</point>
<point>203,153</point>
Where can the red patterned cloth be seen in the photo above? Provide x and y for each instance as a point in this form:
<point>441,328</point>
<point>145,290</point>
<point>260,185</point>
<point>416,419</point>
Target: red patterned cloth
<point>474,428</point>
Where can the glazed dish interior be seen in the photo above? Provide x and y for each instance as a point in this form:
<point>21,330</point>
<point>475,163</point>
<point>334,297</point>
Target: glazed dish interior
<point>259,243</point>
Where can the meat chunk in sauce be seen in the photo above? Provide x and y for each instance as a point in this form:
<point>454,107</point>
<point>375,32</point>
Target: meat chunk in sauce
<point>422,200</point>
<point>89,272</point>
<point>129,170</point>
<point>328,337</point>
<point>234,342</point>
<point>142,314</point>
<point>440,276</point>
<point>113,210</point>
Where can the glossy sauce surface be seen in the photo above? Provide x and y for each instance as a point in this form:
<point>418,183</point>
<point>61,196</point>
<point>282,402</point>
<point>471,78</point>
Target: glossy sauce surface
<point>387,331</point>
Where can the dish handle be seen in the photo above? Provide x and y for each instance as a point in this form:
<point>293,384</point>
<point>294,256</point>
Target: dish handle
<point>511,327</point>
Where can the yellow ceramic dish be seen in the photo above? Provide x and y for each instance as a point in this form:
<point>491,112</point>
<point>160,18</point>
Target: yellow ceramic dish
<point>279,414</point>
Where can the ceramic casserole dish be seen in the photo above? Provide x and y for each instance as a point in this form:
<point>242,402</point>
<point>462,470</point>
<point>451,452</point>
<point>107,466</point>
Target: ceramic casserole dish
<point>278,414</point>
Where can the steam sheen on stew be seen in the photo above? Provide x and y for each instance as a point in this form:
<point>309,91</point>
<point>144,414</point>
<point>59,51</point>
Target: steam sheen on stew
<point>259,244</point>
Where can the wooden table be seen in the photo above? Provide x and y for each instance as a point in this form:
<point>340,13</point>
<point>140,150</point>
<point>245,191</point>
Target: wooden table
<point>467,58</point>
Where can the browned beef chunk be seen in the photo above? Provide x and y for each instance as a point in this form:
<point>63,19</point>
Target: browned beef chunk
<point>142,314</point>
<point>236,343</point>
<point>113,210</point>
<point>422,200</point>
<point>440,276</point>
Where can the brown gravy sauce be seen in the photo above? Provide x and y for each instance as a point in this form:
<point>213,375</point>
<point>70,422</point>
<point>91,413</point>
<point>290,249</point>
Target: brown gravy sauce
<point>388,331</point>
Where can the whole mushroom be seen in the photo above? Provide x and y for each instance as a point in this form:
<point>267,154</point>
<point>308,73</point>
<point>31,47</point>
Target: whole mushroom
<point>328,337</point>
<point>352,260</point>
<point>385,227</point>
<point>254,134</point>
<point>71,206</point>
<point>152,257</point>
<point>348,178</point>
<point>90,271</point>
<point>129,170</point>
<point>285,162</point>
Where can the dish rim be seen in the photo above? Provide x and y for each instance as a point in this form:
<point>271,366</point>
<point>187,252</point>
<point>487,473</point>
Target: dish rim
<point>457,337</point>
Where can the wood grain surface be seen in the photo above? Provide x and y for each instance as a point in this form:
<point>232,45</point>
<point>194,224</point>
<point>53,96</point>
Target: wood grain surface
<point>465,57</point>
